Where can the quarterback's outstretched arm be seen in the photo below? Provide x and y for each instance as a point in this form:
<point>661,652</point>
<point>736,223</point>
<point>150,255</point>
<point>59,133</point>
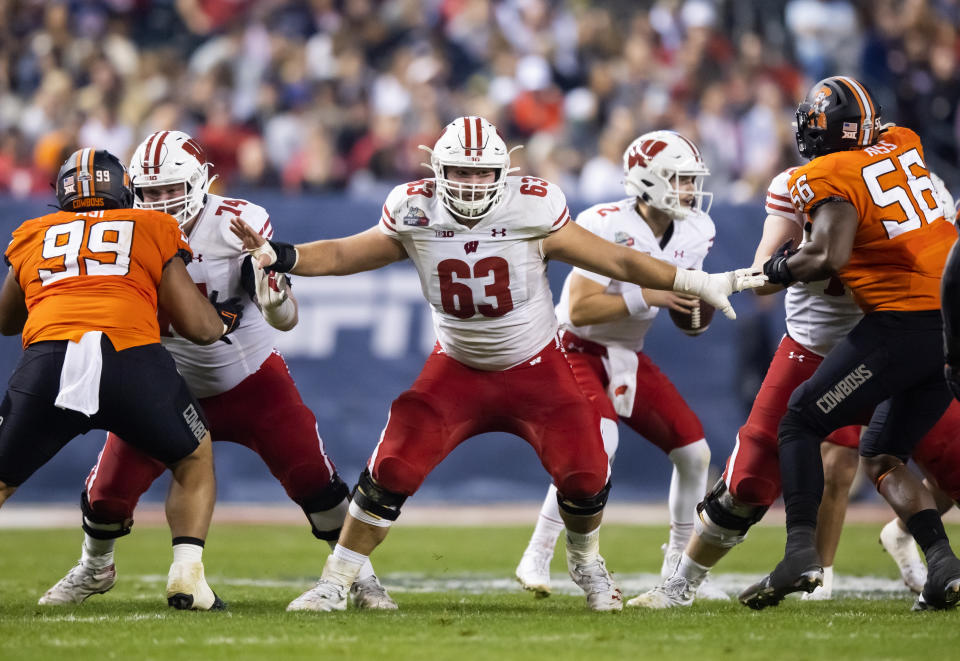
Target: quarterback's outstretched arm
<point>365,251</point>
<point>579,247</point>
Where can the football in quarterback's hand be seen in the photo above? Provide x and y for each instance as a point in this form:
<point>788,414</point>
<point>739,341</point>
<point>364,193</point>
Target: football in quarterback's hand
<point>695,322</point>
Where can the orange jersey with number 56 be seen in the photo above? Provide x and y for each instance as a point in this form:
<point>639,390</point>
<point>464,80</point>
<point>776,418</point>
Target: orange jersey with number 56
<point>902,239</point>
<point>94,271</point>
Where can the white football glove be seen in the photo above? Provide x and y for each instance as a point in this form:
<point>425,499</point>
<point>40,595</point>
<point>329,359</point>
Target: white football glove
<point>715,287</point>
<point>274,297</point>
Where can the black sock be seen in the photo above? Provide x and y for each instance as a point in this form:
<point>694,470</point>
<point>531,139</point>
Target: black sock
<point>801,471</point>
<point>188,540</point>
<point>926,526</point>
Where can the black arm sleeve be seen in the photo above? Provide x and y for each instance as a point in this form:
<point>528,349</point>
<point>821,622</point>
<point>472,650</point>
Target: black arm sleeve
<point>950,305</point>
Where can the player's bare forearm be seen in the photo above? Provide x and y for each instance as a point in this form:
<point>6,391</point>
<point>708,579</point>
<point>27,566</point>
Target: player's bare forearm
<point>191,314</point>
<point>574,245</point>
<point>830,244</point>
<point>598,309</point>
<point>365,251</point>
<point>13,308</point>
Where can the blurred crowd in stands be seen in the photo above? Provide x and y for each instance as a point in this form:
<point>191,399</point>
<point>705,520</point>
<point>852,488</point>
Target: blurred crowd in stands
<point>336,95</point>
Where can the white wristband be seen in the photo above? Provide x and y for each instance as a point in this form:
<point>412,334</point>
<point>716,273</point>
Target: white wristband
<point>634,300</point>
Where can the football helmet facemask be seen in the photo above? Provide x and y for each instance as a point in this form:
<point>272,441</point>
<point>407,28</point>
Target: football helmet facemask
<point>653,166</point>
<point>838,114</point>
<point>90,180</point>
<point>171,158</point>
<point>470,142</point>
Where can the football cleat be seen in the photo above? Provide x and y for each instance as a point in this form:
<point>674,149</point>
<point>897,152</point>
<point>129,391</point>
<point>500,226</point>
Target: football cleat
<point>823,592</point>
<point>596,582</point>
<point>533,572</point>
<point>800,573</point>
<point>325,596</point>
<point>675,591</point>
<point>942,589</point>
<point>368,593</point>
<point>901,547</point>
<point>710,591</point>
<point>187,588</point>
<point>80,582</point>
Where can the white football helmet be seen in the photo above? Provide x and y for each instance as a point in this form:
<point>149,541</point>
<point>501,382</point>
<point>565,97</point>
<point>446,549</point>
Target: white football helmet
<point>653,165</point>
<point>470,142</point>
<point>171,158</point>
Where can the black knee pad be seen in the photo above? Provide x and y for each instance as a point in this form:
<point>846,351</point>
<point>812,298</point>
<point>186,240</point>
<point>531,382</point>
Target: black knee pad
<point>98,527</point>
<point>371,497</point>
<point>727,512</point>
<point>585,506</point>
<point>332,495</point>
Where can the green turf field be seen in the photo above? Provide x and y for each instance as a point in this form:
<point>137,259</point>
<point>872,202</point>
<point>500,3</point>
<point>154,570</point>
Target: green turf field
<point>457,602</point>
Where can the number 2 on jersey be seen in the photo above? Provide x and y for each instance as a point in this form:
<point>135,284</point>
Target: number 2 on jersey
<point>74,246</point>
<point>456,297</point>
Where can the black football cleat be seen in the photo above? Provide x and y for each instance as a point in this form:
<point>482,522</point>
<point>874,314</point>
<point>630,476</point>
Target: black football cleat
<point>942,589</point>
<point>800,573</point>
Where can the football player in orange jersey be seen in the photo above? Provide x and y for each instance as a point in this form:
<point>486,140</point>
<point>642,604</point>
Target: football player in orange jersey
<point>873,220</point>
<point>83,289</point>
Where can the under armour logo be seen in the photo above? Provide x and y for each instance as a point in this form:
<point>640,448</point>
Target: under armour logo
<point>796,356</point>
<point>198,257</point>
<point>494,231</point>
<point>536,361</point>
<point>470,246</point>
<point>677,254</point>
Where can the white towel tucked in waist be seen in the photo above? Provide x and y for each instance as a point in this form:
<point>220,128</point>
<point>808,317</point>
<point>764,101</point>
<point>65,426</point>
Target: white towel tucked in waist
<point>80,376</point>
<point>621,365</point>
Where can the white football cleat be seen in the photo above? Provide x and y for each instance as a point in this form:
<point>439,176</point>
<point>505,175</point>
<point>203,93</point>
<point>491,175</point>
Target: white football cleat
<point>710,591</point>
<point>80,582</point>
<point>368,593</point>
<point>675,591</point>
<point>187,588</point>
<point>324,597</point>
<point>903,549</point>
<point>533,572</point>
<point>596,582</point>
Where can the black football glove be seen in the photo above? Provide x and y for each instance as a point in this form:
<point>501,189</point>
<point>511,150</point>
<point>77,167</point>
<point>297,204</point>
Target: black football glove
<point>230,312</point>
<point>776,268</point>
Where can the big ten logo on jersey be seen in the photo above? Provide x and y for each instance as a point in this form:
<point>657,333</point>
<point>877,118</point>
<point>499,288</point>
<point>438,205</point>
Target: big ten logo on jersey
<point>383,309</point>
<point>444,234</point>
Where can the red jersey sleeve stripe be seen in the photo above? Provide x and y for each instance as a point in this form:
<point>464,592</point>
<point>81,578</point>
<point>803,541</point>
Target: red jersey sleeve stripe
<point>565,214</point>
<point>771,206</point>
<point>781,198</point>
<point>387,225</point>
<point>388,219</point>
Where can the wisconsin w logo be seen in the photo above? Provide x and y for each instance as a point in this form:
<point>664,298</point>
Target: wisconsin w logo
<point>646,150</point>
<point>470,246</point>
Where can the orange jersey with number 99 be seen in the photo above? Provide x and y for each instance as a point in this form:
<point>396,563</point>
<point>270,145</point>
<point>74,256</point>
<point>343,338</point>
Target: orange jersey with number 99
<point>902,239</point>
<point>94,271</point>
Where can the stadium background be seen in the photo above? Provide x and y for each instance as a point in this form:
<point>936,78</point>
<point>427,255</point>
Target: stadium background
<point>315,109</point>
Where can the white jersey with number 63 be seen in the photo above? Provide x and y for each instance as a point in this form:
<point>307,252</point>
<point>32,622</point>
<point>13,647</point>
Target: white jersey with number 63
<point>487,285</point>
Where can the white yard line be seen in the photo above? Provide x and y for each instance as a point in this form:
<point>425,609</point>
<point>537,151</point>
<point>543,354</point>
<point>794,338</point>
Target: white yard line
<point>501,514</point>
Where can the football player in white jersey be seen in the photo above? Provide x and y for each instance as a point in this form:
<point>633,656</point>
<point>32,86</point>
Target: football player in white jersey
<point>234,382</point>
<point>818,316</point>
<point>480,241</point>
<point>603,323</point>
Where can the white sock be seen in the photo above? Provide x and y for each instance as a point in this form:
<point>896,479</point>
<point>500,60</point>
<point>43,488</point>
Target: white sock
<point>366,570</point>
<point>187,553</point>
<point>549,523</point>
<point>691,570</point>
<point>343,565</point>
<point>688,483</point>
<point>583,548</point>
<point>97,552</point>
